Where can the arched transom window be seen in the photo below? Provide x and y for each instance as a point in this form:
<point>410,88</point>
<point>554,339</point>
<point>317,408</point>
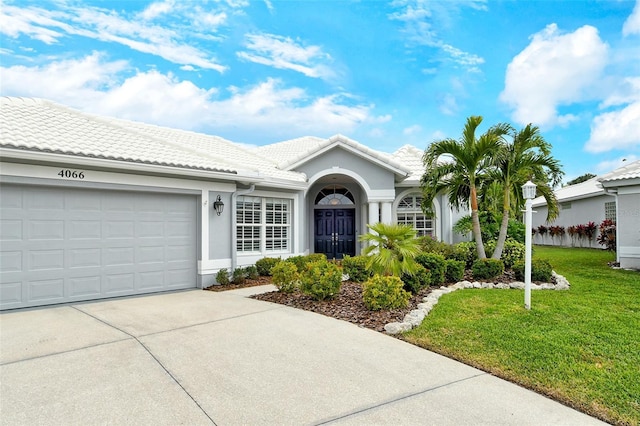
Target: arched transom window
<point>335,195</point>
<point>410,213</point>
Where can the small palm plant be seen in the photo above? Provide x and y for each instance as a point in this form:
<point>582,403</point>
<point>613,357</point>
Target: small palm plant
<point>392,249</point>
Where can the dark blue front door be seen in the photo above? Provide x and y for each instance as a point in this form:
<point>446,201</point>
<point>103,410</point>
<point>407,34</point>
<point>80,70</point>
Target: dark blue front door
<point>335,232</point>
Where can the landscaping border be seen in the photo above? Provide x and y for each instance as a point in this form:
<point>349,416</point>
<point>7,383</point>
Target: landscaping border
<point>415,317</point>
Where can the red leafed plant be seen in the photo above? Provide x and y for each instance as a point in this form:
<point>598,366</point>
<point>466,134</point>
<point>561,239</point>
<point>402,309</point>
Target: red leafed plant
<point>607,236</point>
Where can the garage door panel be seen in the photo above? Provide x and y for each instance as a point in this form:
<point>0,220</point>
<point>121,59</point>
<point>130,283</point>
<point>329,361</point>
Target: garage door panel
<point>42,229</point>
<point>46,260</point>
<point>10,230</point>
<point>46,290</point>
<point>11,293</point>
<point>70,244</point>
<point>82,258</point>
<point>84,230</point>
<point>85,287</point>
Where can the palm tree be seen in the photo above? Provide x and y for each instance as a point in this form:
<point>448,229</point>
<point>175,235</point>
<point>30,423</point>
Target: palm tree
<point>392,249</point>
<point>471,157</point>
<point>527,156</point>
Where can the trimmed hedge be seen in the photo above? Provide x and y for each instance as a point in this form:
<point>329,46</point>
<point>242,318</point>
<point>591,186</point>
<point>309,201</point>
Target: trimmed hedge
<point>321,280</point>
<point>435,264</point>
<point>454,270</point>
<point>286,277</point>
<point>415,282</point>
<point>356,268</point>
<point>485,269</point>
<point>540,270</point>
<point>265,264</point>
<point>384,292</point>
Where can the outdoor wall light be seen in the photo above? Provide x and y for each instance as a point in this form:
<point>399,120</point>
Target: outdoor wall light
<point>218,206</point>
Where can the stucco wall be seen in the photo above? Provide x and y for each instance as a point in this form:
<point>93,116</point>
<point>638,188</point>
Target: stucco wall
<point>580,212</point>
<point>629,226</point>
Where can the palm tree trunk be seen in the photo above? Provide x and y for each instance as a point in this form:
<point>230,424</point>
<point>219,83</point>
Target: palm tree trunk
<point>475,220</point>
<point>502,236</point>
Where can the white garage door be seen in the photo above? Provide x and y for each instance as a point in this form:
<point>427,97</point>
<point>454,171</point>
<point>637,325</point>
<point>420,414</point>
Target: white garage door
<point>67,244</point>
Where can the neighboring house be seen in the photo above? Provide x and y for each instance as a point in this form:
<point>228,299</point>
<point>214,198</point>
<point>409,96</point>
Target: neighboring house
<point>624,184</point>
<point>94,207</point>
<point>579,204</point>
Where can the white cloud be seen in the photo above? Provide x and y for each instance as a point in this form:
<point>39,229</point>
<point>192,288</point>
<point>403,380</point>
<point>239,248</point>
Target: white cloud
<point>412,130</point>
<point>266,109</point>
<point>619,128</point>
<point>615,130</point>
<point>109,26</point>
<point>555,69</point>
<point>438,135</point>
<point>609,165</point>
<point>448,104</point>
<point>632,24</point>
<point>419,17</point>
<point>157,9</point>
<point>284,53</point>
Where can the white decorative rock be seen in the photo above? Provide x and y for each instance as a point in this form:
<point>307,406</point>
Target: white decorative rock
<point>562,286</point>
<point>476,284</point>
<point>535,286</point>
<point>547,286</point>
<point>488,285</point>
<point>502,286</point>
<point>397,327</point>
<point>517,284</point>
<point>414,317</point>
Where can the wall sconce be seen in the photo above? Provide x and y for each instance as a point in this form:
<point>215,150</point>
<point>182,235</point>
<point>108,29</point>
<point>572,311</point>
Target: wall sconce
<point>218,206</point>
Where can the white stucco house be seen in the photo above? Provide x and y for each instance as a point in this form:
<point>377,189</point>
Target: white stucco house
<point>579,204</point>
<point>614,196</point>
<point>94,207</point>
<point>624,185</point>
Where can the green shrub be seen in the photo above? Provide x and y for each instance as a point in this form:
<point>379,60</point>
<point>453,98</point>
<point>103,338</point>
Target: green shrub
<point>238,276</point>
<point>430,245</point>
<point>485,269</point>
<point>467,252</point>
<point>251,272</point>
<point>540,270</point>
<point>415,282</point>
<point>286,277</point>
<point>435,264</point>
<point>512,251</point>
<point>316,257</point>
<point>454,270</point>
<point>222,277</point>
<point>384,292</point>
<point>321,280</point>
<point>264,265</point>
<point>356,268</point>
<point>301,262</point>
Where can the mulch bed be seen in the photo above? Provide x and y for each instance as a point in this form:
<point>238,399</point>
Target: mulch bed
<point>347,306</point>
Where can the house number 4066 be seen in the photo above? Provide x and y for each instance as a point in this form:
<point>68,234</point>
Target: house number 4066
<point>71,174</point>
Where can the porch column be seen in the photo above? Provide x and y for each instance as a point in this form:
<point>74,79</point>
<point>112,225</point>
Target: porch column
<point>374,212</point>
<point>386,213</point>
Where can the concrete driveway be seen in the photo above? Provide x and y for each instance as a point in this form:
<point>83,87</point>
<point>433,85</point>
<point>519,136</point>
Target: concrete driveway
<point>199,357</point>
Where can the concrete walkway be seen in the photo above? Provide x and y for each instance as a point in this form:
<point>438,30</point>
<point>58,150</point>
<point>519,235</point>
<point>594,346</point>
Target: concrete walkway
<point>199,357</point>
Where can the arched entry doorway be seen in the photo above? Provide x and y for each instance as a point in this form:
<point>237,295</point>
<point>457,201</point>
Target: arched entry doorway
<point>335,222</point>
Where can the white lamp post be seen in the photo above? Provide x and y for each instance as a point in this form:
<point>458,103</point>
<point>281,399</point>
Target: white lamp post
<point>529,193</point>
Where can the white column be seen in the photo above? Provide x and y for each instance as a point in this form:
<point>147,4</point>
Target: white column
<point>387,216</point>
<point>374,212</point>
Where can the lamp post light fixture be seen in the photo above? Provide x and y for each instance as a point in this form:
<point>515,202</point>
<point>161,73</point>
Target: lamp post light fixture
<point>529,193</point>
<point>218,206</point>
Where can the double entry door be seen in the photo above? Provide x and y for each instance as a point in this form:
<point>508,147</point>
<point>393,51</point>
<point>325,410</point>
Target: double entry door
<point>334,232</point>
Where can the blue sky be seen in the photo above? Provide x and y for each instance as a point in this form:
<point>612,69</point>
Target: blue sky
<point>385,73</point>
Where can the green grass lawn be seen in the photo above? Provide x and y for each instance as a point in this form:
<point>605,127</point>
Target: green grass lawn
<point>581,346</point>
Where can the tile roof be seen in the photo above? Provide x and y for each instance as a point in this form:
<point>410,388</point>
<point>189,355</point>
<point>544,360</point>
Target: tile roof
<point>411,157</point>
<point>44,126</point>
<point>289,153</point>
<point>586,189</point>
<point>628,171</point>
